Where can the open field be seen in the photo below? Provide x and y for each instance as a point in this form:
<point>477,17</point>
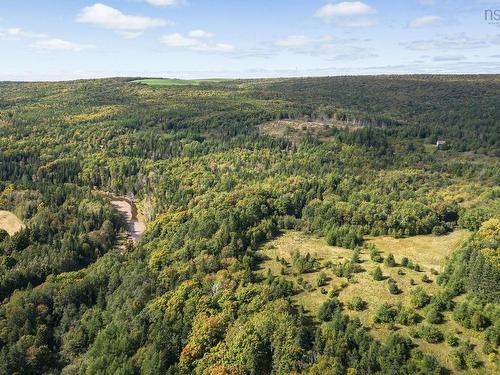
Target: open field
<point>428,251</point>
<point>175,82</point>
<point>10,222</point>
<point>297,129</point>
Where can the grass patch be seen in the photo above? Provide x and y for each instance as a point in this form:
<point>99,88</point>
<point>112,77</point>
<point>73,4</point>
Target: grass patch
<point>429,252</point>
<point>175,82</point>
<point>295,130</point>
<point>10,222</point>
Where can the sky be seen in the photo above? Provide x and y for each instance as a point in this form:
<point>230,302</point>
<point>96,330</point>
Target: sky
<point>73,39</point>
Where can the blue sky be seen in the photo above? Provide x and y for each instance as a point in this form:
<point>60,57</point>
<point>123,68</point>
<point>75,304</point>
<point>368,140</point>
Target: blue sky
<point>70,39</point>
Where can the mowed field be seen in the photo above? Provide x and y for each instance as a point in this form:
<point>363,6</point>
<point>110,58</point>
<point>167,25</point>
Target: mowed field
<point>428,251</point>
<point>10,222</point>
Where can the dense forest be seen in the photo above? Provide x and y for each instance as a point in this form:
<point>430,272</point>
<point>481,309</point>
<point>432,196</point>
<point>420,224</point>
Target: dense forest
<point>214,188</point>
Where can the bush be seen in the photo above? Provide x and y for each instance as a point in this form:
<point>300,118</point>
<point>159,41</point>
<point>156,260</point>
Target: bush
<point>464,357</point>
<point>452,340</point>
<point>355,256</point>
<point>386,314</point>
<point>439,230</point>
<point>430,334</point>
<point>472,360</point>
<point>377,274</point>
<point>434,316</point>
<point>408,316</point>
<point>321,279</point>
<point>357,304</point>
<point>404,262</point>
<point>478,321</point>
<point>328,309</point>
<point>393,287</point>
<point>3,234</point>
<point>375,255</point>
<point>419,298</point>
<point>426,279</point>
<point>304,263</point>
<point>390,261</point>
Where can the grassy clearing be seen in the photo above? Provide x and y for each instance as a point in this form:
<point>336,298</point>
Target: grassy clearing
<point>10,222</point>
<point>175,82</point>
<point>295,130</point>
<point>429,252</point>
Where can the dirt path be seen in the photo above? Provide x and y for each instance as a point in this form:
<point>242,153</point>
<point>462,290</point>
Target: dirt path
<point>129,210</point>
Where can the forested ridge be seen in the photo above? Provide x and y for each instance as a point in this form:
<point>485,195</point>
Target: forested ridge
<point>188,297</point>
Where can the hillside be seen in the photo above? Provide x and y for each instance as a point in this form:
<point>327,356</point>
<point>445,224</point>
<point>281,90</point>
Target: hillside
<point>235,177</point>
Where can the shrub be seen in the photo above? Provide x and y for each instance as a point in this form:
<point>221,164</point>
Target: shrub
<point>390,261</point>
<point>375,255</point>
<point>377,274</point>
<point>439,230</point>
<point>430,334</point>
<point>328,309</point>
<point>321,279</point>
<point>419,298</point>
<point>464,357</point>
<point>478,321</point>
<point>434,316</point>
<point>357,304</point>
<point>355,256</point>
<point>393,287</point>
<point>304,263</point>
<point>452,340</point>
<point>404,262</point>
<point>408,316</point>
<point>457,359</point>
<point>426,279</point>
<point>385,314</point>
<point>472,360</point>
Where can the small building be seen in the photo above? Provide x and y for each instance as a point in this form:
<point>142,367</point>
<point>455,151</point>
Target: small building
<point>440,144</point>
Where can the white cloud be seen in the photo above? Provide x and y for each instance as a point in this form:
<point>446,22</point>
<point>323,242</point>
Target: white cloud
<point>217,47</point>
<point>347,14</point>
<point>326,46</point>
<point>448,58</point>
<point>301,41</point>
<point>59,45</point>
<point>426,21</point>
<point>165,3</point>
<point>179,41</point>
<point>16,32</point>
<point>200,34</point>
<point>111,18</point>
<point>453,42</point>
<point>344,9</point>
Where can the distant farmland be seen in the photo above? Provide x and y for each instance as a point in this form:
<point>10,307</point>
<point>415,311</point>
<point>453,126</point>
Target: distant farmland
<point>175,82</point>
